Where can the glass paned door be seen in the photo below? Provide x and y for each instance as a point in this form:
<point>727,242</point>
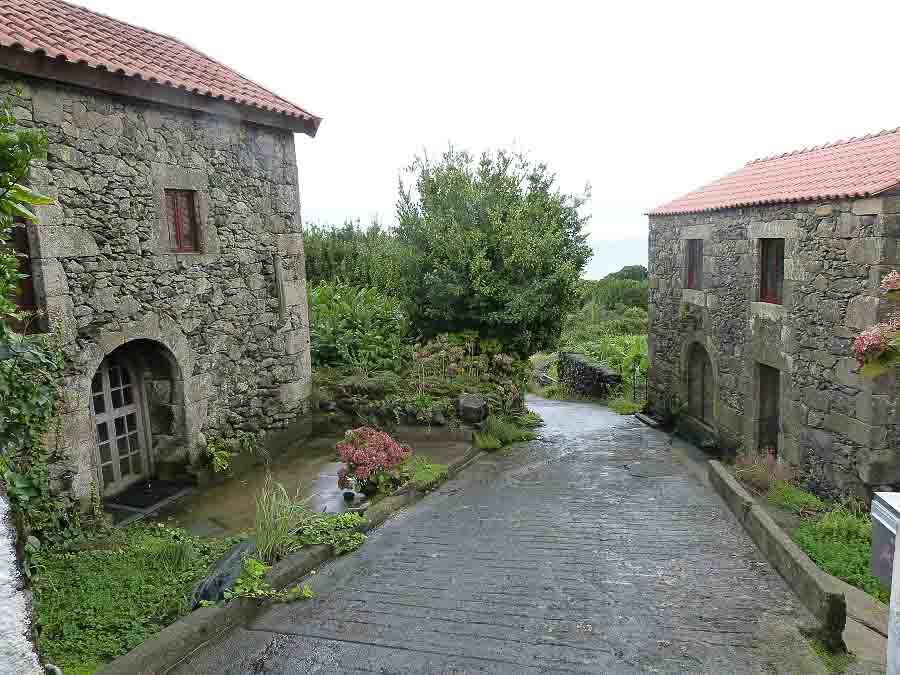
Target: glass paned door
<point>117,420</point>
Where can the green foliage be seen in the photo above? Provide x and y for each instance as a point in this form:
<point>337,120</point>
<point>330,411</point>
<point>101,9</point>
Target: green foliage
<point>785,495</point>
<point>497,431</point>
<point>492,247</point>
<point>219,455</point>
<point>356,328</point>
<point>529,419</point>
<point>101,599</point>
<point>834,661</point>
<point>485,441</point>
<point>625,406</point>
<point>840,542</point>
<point>252,584</point>
<point>31,368</point>
<point>360,257</point>
<point>278,519</point>
<point>422,474</point>
<point>341,531</point>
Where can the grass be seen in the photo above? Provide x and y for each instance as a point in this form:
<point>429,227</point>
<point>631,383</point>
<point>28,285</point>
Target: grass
<point>840,542</point>
<point>506,430</point>
<point>98,602</point>
<point>625,406</point>
<point>423,474</point>
<point>785,495</point>
<point>485,441</point>
<point>278,517</point>
<point>834,662</point>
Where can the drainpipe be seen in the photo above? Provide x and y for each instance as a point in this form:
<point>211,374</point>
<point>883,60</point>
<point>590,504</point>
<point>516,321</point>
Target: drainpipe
<point>17,653</point>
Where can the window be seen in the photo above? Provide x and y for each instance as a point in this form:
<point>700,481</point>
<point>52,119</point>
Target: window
<point>24,297</point>
<point>769,405</point>
<point>771,285</point>
<point>181,214</point>
<point>695,263</point>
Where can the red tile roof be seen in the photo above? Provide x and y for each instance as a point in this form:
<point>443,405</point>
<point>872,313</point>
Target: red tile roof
<point>859,167</point>
<point>64,31</point>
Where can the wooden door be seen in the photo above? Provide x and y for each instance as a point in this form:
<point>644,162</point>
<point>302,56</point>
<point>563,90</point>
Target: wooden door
<point>116,408</point>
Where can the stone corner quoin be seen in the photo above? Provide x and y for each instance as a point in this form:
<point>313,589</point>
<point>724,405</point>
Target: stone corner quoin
<point>834,426</point>
<point>211,341</point>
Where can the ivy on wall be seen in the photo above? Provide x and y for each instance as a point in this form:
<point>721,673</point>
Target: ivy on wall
<point>31,367</point>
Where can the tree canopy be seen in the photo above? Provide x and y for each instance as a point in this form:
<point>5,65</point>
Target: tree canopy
<point>492,245</point>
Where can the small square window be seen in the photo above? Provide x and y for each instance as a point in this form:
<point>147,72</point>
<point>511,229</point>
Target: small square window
<point>771,283</point>
<point>694,255</point>
<point>181,216</point>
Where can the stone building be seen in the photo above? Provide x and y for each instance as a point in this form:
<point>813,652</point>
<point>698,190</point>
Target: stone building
<point>759,283</point>
<point>172,261</point>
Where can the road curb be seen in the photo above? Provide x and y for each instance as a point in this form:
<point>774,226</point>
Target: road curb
<point>173,643</point>
<point>814,587</point>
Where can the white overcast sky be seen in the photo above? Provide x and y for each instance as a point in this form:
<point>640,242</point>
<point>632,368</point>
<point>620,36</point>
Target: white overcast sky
<point>643,100</point>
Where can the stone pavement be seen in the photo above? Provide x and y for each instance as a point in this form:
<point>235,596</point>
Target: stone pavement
<point>590,550</point>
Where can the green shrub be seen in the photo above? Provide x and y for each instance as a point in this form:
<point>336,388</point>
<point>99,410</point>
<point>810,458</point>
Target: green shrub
<point>625,406</point>
<point>358,328</point>
<point>423,474</point>
<point>278,518</point>
<point>529,420</point>
<point>788,496</point>
<point>840,542</point>
<point>338,530</point>
<point>97,602</point>
<point>485,441</point>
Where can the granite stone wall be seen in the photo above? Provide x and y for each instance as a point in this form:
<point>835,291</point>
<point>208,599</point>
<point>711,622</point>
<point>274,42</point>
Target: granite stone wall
<point>837,428</point>
<point>219,338</point>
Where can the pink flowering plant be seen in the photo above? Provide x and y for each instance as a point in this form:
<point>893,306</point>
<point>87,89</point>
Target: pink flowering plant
<point>878,347</point>
<point>370,459</point>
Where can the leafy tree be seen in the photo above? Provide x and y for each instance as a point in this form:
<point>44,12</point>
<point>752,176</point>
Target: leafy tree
<point>630,272</point>
<point>362,257</point>
<point>493,247</point>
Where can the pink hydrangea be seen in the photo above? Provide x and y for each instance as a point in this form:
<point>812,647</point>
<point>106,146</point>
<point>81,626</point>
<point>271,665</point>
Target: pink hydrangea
<point>874,341</point>
<point>366,452</point>
<point>891,281</point>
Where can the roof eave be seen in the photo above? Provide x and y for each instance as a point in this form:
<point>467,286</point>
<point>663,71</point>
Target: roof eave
<point>40,66</point>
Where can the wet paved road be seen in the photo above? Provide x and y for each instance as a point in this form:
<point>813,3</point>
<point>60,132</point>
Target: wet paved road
<point>591,550</point>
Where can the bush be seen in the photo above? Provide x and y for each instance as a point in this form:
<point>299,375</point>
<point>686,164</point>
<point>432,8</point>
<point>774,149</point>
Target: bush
<point>278,517</point>
<point>493,247</point>
<point>355,328</point>
<point>485,441</point>
<point>369,456</point>
<point>360,257</point>
<point>97,602</point>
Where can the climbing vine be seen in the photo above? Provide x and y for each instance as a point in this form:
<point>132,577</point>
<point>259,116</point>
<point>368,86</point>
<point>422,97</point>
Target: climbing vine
<point>31,367</point>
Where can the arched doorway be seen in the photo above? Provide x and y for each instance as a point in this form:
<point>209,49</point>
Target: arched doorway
<point>700,384</point>
<point>135,400</point>
<point>119,423</point>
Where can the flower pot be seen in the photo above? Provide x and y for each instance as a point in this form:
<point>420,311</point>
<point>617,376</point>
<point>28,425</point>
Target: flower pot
<point>349,495</point>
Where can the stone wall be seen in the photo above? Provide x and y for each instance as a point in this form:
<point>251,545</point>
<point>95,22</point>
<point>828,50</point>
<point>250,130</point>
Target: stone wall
<point>838,428</point>
<point>585,376</point>
<point>231,320</point>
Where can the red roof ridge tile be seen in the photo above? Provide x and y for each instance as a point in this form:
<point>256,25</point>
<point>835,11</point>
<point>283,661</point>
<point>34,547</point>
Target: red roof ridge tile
<point>852,139</point>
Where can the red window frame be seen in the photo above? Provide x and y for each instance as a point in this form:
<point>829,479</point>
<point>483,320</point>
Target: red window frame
<point>771,278</point>
<point>694,264</point>
<point>181,213</point>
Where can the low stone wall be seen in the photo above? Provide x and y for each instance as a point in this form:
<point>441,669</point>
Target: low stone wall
<point>586,376</point>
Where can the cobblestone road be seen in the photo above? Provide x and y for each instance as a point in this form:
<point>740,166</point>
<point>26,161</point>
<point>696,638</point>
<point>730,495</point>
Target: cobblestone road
<point>591,550</point>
